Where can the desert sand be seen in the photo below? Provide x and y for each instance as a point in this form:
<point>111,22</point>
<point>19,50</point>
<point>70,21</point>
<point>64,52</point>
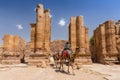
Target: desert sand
<point>86,72</point>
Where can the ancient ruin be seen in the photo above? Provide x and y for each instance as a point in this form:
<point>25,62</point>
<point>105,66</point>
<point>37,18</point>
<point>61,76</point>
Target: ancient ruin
<point>13,49</point>
<point>106,42</point>
<point>40,34</point>
<point>117,31</point>
<point>41,30</point>
<point>78,38</point>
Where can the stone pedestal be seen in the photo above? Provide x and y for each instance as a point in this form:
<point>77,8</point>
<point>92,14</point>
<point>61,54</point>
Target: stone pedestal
<point>11,59</point>
<point>40,60</point>
<point>83,60</point>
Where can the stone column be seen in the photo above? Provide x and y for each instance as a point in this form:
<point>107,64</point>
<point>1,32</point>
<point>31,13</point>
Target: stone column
<point>80,33</point>
<point>47,30</point>
<point>40,26</point>
<point>87,41</point>
<point>78,37</point>
<point>102,43</point>
<point>72,33</point>
<point>79,24</point>
<point>102,39</point>
<point>110,38</point>
<point>33,36</point>
<point>117,28</point>
<point>96,45</point>
<point>117,32</point>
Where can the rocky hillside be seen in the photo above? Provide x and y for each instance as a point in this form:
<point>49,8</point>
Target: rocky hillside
<point>57,45</point>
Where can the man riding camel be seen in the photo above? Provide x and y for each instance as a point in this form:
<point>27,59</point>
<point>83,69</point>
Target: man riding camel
<point>67,49</point>
<point>67,46</point>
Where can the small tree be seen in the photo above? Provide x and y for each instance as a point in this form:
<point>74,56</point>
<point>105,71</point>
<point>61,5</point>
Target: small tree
<point>92,40</point>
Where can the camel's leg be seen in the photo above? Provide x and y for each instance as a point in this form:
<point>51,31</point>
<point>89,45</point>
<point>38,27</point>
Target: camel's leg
<point>56,64</point>
<point>62,65</point>
<point>73,69</point>
<point>68,67</point>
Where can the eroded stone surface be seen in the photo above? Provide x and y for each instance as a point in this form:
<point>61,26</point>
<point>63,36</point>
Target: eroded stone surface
<point>78,38</point>
<point>41,30</point>
<point>106,41</point>
<point>13,49</point>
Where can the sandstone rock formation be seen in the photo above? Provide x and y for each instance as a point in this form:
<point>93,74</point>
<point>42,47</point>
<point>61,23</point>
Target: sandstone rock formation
<point>57,45</point>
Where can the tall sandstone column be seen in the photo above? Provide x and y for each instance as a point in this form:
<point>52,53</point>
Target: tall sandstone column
<point>78,37</point>
<point>78,34</point>
<point>102,43</point>
<point>110,37</point>
<point>40,26</point>
<point>41,30</point>
<point>47,30</point>
<point>33,36</point>
<point>87,41</point>
<point>117,31</point>
<point>80,30</point>
<point>102,39</point>
<point>72,32</point>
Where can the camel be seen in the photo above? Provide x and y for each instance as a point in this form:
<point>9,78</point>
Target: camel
<point>70,58</point>
<point>57,58</point>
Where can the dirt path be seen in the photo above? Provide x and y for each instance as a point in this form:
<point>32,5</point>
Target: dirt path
<point>86,72</point>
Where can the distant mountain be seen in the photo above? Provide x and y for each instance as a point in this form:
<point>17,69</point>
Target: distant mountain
<point>57,45</point>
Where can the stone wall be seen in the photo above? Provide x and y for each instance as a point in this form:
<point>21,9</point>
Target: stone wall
<point>13,49</point>
<point>13,43</point>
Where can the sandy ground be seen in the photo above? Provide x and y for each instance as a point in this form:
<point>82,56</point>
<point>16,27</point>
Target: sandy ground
<point>86,72</point>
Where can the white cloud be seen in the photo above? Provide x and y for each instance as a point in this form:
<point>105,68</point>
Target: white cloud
<point>19,26</point>
<point>35,9</point>
<point>62,22</point>
<point>50,15</point>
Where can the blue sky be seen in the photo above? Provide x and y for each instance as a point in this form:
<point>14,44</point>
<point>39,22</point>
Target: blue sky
<point>16,15</point>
